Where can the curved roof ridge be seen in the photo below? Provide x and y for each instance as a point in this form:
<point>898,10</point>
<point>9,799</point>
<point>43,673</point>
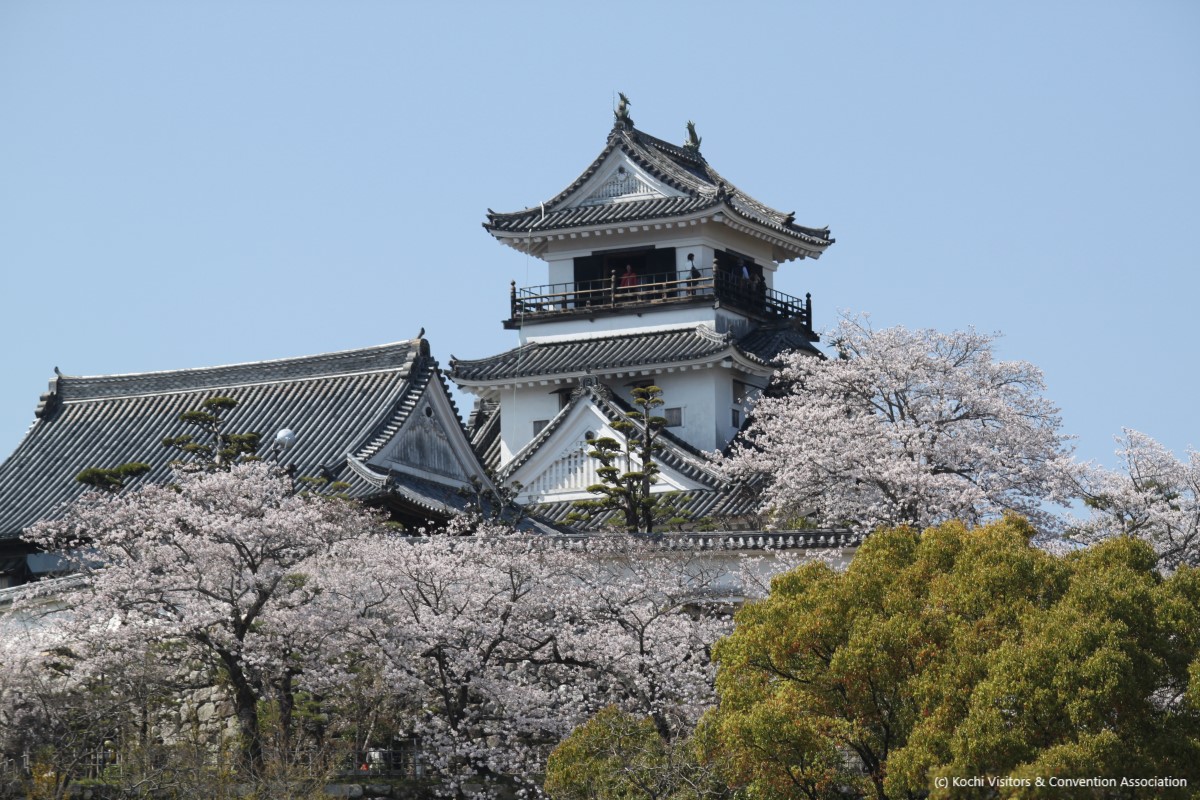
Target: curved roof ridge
<point>605,353</point>
<point>391,418</point>
<point>377,358</point>
<point>685,170</point>
<point>682,456</point>
<point>673,150</point>
<point>533,445</point>
<point>587,173</point>
<point>591,337</point>
<point>649,152</point>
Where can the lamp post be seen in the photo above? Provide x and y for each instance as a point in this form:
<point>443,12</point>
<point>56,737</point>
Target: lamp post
<point>285,439</point>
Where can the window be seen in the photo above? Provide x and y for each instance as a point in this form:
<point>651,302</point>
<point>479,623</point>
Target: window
<point>673,416</point>
<point>739,392</point>
<point>737,418</point>
<point>539,425</point>
<point>564,398</point>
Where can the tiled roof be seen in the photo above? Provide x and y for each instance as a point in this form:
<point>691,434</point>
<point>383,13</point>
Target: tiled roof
<point>636,210</point>
<point>673,452</point>
<point>769,340</point>
<point>342,406</point>
<point>577,356</point>
<point>484,430</point>
<point>682,169</point>
<point>700,504</point>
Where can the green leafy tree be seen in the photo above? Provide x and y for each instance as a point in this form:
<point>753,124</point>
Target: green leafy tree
<point>212,447</point>
<point>112,479</point>
<point>208,449</point>
<point>628,471</point>
<point>962,653</point>
<point>616,755</point>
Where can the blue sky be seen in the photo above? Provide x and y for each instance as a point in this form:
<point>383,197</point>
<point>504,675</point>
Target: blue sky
<point>191,184</point>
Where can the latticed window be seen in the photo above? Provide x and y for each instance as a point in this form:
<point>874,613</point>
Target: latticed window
<point>673,416</point>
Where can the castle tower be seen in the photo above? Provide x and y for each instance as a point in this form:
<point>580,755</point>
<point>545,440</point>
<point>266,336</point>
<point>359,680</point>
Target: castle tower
<point>659,271</point>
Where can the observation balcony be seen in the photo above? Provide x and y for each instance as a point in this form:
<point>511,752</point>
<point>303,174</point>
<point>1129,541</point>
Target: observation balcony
<point>607,296</point>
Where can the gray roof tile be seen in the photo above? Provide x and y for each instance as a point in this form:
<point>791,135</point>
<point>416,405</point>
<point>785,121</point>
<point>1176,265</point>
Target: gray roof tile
<point>341,405</point>
<point>682,169</point>
<point>577,356</point>
<point>770,340</point>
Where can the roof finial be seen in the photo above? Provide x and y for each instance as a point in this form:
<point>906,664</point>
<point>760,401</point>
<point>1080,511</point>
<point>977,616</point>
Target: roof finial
<point>622,111</point>
<point>693,141</point>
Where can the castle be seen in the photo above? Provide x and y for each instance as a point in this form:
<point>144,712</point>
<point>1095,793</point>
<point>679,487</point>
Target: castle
<point>659,271</point>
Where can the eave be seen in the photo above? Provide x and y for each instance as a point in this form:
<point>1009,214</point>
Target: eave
<point>728,358</point>
<point>787,244</point>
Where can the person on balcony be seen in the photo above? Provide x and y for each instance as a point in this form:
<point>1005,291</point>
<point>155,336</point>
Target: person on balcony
<point>693,275</point>
<point>758,289</point>
<point>629,278</point>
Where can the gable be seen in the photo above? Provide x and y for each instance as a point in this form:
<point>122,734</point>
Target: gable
<point>431,443</point>
<point>619,180</point>
<point>561,469</point>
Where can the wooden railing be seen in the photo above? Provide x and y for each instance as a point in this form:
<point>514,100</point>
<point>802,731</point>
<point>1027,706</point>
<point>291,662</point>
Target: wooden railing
<point>583,297</point>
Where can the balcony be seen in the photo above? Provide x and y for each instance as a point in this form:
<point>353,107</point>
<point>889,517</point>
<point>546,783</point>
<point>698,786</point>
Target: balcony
<point>667,290</point>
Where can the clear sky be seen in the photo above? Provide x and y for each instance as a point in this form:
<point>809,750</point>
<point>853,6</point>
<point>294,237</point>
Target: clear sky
<point>192,184</point>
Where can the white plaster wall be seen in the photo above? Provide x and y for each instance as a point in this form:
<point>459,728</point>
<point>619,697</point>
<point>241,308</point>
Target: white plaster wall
<point>649,319</point>
<point>707,236</point>
<point>692,391</point>
<point>705,396</point>
<point>518,410</point>
<point>561,270</point>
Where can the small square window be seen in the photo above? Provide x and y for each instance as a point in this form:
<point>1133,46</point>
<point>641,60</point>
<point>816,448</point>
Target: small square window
<point>739,392</point>
<point>673,416</point>
<point>539,425</point>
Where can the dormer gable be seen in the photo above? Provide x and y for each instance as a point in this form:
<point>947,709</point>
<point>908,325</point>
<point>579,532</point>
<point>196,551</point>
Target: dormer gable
<point>619,180</point>
<point>639,178</point>
<point>557,466</point>
<point>430,444</point>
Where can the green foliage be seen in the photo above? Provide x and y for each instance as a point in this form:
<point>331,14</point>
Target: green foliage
<point>213,448</point>
<point>961,653</point>
<point>112,479</point>
<point>617,756</point>
<point>623,487</point>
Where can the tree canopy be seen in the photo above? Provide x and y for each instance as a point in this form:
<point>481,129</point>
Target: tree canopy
<point>628,470</point>
<point>615,755</point>
<point>962,653</point>
<point>218,566</point>
<point>1156,497</point>
<point>487,648</point>
<point>904,428</point>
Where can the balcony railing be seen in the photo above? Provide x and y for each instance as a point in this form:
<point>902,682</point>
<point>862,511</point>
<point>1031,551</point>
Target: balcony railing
<point>650,291</point>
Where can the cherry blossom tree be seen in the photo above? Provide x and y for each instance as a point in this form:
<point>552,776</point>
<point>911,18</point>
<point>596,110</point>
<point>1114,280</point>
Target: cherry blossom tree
<point>502,643</point>
<point>214,571</point>
<point>488,648</point>
<point>1155,497</point>
<point>646,629</point>
<point>904,427</point>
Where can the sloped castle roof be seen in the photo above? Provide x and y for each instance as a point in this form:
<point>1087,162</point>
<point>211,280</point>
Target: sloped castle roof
<point>712,497</point>
<point>343,406</point>
<point>606,193</point>
<point>629,350</point>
